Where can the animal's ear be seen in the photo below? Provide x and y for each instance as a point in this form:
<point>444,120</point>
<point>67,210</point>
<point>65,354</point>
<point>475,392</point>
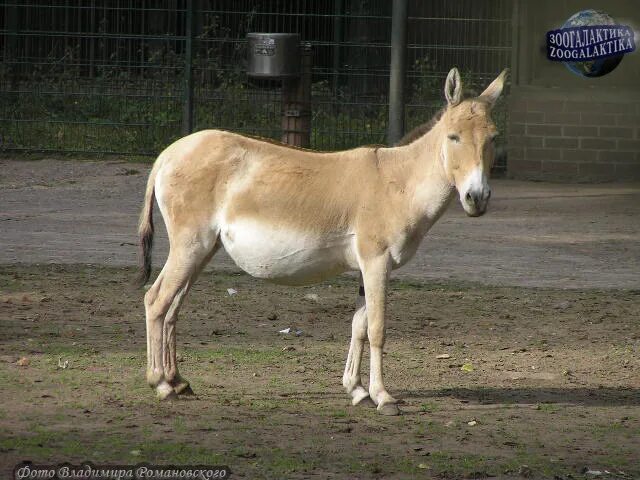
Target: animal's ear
<point>493,91</point>
<point>453,87</point>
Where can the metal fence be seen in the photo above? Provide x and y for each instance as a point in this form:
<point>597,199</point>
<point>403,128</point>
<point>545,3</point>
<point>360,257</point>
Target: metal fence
<point>114,76</point>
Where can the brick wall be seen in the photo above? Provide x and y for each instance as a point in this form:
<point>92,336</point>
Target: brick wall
<point>564,138</point>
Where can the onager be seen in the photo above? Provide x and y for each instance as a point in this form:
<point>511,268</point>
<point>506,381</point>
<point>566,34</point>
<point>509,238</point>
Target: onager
<point>296,217</point>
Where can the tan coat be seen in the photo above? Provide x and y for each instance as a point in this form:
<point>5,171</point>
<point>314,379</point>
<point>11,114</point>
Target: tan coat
<point>296,216</point>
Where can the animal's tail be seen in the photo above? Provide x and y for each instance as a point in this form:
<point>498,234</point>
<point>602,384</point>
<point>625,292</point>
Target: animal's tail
<point>145,229</point>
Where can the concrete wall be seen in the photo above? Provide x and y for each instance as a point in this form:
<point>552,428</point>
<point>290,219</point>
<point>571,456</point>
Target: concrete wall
<point>563,127</point>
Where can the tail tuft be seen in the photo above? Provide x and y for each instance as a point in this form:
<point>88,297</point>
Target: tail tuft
<point>146,246</point>
<point>145,233</point>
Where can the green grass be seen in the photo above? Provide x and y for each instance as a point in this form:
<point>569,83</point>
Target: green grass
<point>279,462</point>
<point>542,467</point>
<point>548,407</point>
<point>244,356</point>
<point>9,283</point>
<point>44,444</point>
<point>429,407</point>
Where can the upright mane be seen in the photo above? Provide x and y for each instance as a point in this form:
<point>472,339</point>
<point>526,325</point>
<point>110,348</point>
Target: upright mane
<point>420,130</point>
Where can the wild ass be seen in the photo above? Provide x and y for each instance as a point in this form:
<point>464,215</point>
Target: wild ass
<point>296,217</point>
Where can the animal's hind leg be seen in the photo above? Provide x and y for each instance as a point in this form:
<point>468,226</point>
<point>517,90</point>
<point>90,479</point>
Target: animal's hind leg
<point>180,385</point>
<point>153,313</point>
<point>162,301</point>
<point>351,380</point>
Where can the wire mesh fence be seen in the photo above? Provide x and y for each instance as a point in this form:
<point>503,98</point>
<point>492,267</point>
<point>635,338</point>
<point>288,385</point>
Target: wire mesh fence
<point>90,76</point>
<point>107,76</point>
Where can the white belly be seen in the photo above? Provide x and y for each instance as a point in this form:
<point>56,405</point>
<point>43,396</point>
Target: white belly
<point>284,255</point>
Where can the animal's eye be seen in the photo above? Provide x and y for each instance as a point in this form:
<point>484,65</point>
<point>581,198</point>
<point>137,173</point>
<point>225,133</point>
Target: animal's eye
<point>454,138</point>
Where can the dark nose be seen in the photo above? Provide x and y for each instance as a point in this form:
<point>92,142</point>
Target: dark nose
<point>477,197</point>
<point>474,198</point>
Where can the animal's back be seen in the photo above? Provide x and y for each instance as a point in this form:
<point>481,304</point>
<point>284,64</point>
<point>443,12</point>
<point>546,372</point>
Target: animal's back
<point>283,185</point>
<point>283,214</point>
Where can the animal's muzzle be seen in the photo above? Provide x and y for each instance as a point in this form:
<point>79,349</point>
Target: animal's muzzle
<point>476,201</point>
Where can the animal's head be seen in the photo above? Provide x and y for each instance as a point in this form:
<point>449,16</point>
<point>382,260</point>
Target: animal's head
<point>468,145</point>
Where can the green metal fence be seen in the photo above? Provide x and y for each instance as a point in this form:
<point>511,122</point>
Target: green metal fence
<point>114,76</point>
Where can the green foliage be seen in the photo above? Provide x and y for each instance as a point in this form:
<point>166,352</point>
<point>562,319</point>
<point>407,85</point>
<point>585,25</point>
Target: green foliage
<point>121,111</point>
<point>144,116</point>
<point>427,85</point>
<point>83,116</point>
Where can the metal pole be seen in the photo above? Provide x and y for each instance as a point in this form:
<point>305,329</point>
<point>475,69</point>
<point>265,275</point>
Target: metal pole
<point>399,20</point>
<point>187,112</point>
<point>337,40</point>
<point>11,39</point>
<point>515,43</point>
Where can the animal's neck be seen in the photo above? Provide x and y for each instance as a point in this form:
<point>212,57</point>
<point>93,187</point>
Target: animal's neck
<point>417,169</point>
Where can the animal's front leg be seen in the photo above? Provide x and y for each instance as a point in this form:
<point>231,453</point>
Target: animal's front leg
<point>375,273</point>
<point>351,379</point>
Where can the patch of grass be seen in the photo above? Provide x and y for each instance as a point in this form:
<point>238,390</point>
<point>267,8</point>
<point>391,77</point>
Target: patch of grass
<point>458,466</point>
<point>66,350</point>
<point>44,445</point>
<point>47,445</point>
<point>604,431</point>
<point>179,425</point>
<point>8,375</point>
<point>275,381</point>
<point>263,404</point>
<point>539,467</point>
<point>180,453</point>
<point>548,407</point>
<point>429,429</point>
<point>244,356</point>
<point>279,461</point>
<point>429,407</point>
<point>615,461</point>
<point>10,283</point>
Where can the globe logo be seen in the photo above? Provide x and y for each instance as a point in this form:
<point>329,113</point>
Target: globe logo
<point>590,44</point>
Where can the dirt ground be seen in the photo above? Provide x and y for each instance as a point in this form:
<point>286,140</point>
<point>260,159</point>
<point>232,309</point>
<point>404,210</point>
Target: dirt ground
<point>536,304</point>
<point>554,387</point>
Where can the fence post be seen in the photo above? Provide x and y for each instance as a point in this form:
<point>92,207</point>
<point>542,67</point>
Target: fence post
<point>338,9</point>
<point>10,43</point>
<point>187,112</point>
<point>399,19</point>
<point>296,103</point>
<point>515,43</point>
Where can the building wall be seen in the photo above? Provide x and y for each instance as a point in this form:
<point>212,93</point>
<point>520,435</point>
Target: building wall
<point>563,127</point>
<point>565,137</point>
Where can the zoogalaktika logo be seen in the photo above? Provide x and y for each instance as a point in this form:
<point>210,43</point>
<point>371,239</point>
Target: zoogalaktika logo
<point>590,43</point>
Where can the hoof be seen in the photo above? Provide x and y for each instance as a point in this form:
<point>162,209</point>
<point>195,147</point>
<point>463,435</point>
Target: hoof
<point>364,402</point>
<point>164,391</point>
<point>359,396</point>
<point>154,378</point>
<point>390,409</point>
<point>184,389</point>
